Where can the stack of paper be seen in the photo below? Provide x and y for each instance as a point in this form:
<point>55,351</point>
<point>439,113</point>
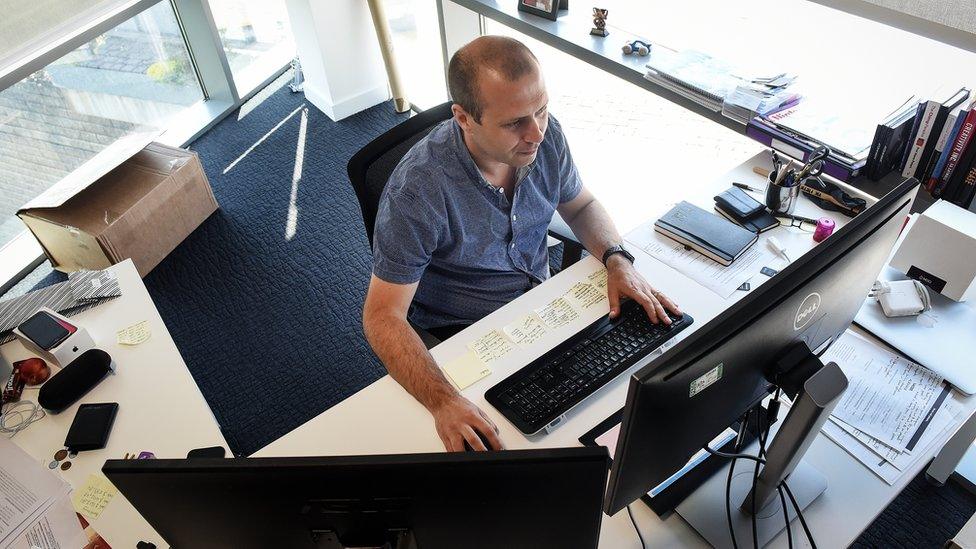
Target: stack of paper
<point>893,410</point>
<point>35,510</point>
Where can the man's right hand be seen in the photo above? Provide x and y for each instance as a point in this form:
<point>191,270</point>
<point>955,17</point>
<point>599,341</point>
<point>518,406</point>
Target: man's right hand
<point>457,420</point>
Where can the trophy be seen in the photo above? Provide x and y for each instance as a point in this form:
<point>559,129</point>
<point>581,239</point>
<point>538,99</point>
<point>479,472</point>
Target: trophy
<point>600,22</point>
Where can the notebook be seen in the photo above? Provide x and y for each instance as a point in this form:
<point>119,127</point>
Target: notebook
<point>708,234</point>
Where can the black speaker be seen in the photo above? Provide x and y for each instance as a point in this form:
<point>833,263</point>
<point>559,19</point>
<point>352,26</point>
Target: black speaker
<point>74,380</point>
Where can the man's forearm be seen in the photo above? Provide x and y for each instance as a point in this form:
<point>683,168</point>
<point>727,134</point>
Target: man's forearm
<point>594,228</point>
<point>406,358</point>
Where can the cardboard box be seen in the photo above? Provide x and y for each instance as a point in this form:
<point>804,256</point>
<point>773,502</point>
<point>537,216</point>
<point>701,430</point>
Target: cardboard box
<point>140,209</point>
<point>938,251</point>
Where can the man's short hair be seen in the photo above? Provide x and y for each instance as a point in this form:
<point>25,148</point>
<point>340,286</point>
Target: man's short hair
<point>506,56</point>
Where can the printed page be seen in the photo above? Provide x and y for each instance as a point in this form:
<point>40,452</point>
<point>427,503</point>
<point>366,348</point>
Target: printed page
<point>888,397</point>
<point>26,490</point>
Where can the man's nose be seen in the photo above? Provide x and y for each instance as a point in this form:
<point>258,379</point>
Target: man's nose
<point>533,132</point>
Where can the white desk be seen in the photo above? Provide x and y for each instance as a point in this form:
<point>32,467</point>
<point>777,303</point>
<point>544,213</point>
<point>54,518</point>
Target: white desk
<point>385,419</point>
<point>161,409</point>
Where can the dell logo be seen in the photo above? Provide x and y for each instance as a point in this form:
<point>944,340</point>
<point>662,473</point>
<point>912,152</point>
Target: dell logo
<point>810,305</point>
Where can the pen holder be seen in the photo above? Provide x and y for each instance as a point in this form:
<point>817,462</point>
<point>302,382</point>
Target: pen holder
<point>781,199</point>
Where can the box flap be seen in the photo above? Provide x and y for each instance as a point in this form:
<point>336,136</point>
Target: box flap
<point>84,175</point>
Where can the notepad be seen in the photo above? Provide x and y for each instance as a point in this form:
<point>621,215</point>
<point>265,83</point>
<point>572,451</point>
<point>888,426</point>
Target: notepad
<point>466,370</point>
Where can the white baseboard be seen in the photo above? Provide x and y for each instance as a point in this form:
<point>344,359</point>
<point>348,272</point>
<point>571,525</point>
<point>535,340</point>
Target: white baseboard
<point>347,106</point>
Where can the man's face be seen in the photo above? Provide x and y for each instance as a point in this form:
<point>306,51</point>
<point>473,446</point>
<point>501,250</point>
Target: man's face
<point>513,121</point>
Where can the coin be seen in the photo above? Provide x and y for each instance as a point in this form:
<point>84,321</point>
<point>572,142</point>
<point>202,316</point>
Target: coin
<point>60,455</point>
<point>72,454</point>
<point>52,465</point>
<point>65,466</point>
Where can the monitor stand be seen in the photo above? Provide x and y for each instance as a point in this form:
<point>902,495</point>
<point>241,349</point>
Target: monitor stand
<point>816,389</point>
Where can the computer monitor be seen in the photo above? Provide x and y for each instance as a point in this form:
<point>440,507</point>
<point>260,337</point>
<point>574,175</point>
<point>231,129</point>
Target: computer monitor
<point>519,498</point>
<point>677,403</point>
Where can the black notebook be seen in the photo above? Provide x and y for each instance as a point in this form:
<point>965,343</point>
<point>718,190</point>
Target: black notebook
<point>706,233</point>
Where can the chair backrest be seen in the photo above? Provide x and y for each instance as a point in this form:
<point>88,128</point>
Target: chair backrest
<point>370,168</point>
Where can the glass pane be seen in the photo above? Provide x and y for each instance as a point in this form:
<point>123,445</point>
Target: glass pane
<point>27,25</point>
<point>417,45</point>
<point>256,36</point>
<point>136,76</point>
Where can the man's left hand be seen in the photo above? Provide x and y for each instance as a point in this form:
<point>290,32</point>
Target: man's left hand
<point>623,280</point>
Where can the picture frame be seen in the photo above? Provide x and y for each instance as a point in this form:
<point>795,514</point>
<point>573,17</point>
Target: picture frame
<point>543,8</point>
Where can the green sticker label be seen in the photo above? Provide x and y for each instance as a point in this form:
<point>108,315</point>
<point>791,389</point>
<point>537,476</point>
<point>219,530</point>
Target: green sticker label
<point>704,381</point>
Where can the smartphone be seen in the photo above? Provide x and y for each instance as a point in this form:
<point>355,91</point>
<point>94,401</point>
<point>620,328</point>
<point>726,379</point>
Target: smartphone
<point>45,330</point>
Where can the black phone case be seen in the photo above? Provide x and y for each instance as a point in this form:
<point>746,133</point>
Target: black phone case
<point>91,427</point>
<point>735,201</point>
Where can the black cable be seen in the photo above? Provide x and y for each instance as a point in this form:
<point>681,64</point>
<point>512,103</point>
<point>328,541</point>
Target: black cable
<point>636,529</point>
<point>799,514</point>
<point>733,456</point>
<point>786,516</point>
<point>740,437</point>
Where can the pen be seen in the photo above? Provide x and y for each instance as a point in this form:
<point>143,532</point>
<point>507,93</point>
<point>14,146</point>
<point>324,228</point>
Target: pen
<point>746,187</point>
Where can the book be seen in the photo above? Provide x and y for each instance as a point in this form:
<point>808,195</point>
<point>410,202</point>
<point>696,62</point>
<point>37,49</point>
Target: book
<point>955,190</point>
<point>919,110</point>
<point>695,75</point>
<point>708,234</point>
<point>917,145</point>
<point>848,132</point>
<point>942,113</point>
<point>889,141</point>
<point>933,179</point>
<point>958,147</point>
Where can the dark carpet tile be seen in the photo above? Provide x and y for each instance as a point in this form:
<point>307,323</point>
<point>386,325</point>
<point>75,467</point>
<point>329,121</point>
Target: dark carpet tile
<point>269,320</point>
<point>923,516</point>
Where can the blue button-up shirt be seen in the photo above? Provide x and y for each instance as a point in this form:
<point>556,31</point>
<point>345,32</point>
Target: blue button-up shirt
<point>472,250</point>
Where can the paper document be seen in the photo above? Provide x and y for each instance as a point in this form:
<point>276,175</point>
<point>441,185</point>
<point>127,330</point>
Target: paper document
<point>877,464</point>
<point>526,330</point>
<point>465,370</point>
<point>491,346</point>
<point>57,528</point>
<point>888,397</point>
<point>27,492</point>
<point>558,312</point>
<point>720,279</point>
<point>587,295</point>
<point>135,334</point>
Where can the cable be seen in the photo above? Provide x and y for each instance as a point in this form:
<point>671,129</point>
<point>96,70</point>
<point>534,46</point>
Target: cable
<point>733,456</point>
<point>636,529</point>
<point>13,409</point>
<point>799,514</point>
<point>786,516</point>
<point>743,422</point>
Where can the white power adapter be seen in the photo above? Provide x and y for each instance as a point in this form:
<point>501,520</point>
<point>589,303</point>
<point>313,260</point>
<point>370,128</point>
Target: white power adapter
<point>901,298</point>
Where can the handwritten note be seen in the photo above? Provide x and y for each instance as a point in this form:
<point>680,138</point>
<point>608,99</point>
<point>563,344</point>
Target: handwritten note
<point>491,346</point>
<point>586,295</point>
<point>135,334</point>
<point>599,278</point>
<point>465,370</point>
<point>526,330</point>
<point>557,313</point>
<point>94,496</point>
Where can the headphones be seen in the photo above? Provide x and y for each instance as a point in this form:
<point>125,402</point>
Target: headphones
<point>637,46</point>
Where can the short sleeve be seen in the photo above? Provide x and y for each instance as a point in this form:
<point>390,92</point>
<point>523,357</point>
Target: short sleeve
<point>570,183</point>
<point>405,236</point>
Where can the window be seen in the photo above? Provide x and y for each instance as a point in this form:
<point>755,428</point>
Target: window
<point>136,76</point>
<point>256,37</point>
<point>417,45</point>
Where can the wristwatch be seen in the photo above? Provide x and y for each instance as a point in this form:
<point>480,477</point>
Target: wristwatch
<point>618,249</point>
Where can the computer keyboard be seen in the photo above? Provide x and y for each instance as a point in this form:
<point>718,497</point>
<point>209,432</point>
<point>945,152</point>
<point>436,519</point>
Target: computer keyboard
<point>551,385</point>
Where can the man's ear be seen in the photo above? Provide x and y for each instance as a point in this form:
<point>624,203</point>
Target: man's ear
<point>464,119</point>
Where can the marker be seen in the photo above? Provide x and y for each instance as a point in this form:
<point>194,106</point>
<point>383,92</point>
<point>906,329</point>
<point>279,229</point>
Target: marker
<point>746,187</point>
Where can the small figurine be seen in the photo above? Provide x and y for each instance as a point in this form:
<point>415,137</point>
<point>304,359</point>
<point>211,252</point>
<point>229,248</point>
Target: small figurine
<point>639,47</point>
<point>600,22</point>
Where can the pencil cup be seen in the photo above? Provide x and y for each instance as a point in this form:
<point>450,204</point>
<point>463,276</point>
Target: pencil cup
<point>781,199</point>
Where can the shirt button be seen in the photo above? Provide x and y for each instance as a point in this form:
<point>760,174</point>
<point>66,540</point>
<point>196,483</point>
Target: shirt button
<point>514,217</point>
<point>513,245</point>
<point>501,190</point>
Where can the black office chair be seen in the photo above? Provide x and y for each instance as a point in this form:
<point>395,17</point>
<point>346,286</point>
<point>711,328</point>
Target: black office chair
<point>370,168</point>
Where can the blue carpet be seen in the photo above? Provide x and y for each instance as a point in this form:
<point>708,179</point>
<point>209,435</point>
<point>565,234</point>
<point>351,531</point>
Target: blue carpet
<point>269,322</point>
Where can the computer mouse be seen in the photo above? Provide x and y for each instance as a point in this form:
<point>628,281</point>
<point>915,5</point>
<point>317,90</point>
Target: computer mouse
<point>484,440</point>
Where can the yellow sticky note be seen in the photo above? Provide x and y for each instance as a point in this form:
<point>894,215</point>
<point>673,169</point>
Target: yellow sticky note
<point>599,278</point>
<point>465,370</point>
<point>92,498</point>
<point>135,334</point>
<point>490,346</point>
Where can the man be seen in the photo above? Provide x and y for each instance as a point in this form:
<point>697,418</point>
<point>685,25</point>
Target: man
<point>461,227</point>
